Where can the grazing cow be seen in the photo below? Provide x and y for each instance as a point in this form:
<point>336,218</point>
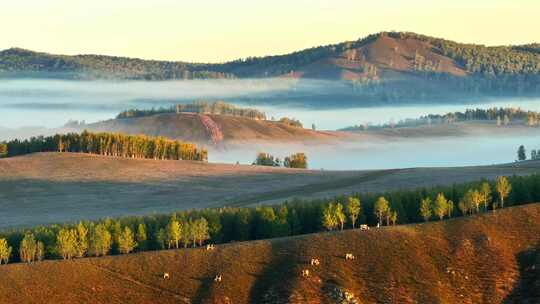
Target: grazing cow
<point>305,273</point>
<point>315,262</point>
<point>166,276</point>
<point>349,256</point>
<point>217,278</point>
<point>210,247</point>
<point>364,227</point>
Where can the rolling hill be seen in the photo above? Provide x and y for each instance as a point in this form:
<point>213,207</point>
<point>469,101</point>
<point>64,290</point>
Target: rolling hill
<point>489,258</point>
<point>233,129</point>
<point>388,66</point>
<point>67,187</point>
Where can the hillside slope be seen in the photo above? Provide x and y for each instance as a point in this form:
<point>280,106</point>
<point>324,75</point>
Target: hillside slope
<point>388,66</point>
<point>65,187</point>
<point>490,258</point>
<point>189,127</point>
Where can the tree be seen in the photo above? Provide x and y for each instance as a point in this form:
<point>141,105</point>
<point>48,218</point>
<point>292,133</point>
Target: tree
<point>503,188</point>
<point>522,155</point>
<point>126,241</point>
<point>174,232</point>
<point>141,236</point>
<point>200,232</point>
<point>101,240</point>
<point>381,207</point>
<point>297,160</point>
<point>82,240</point>
<point>5,251</point>
<point>28,248</point>
<point>330,221</point>
<point>426,209</point>
<point>450,208</point>
<point>340,215</point>
<point>440,206</point>
<point>353,209</point>
<point>485,192</point>
<point>66,243</point>
<point>393,217</point>
<point>3,150</point>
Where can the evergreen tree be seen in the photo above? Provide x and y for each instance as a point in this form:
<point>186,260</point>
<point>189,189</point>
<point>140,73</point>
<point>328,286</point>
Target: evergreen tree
<point>522,155</point>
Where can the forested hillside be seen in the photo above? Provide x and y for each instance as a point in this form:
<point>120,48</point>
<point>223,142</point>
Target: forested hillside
<point>385,67</point>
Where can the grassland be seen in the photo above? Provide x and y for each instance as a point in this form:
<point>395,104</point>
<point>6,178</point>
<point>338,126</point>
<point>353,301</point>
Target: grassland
<point>52,187</point>
<point>489,258</point>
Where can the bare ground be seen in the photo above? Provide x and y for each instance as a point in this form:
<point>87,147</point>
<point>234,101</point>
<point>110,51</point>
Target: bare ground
<point>53,187</point>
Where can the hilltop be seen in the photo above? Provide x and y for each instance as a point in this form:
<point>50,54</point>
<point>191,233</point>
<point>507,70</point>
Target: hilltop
<point>233,129</point>
<point>489,258</point>
<point>385,67</point>
<point>67,187</point>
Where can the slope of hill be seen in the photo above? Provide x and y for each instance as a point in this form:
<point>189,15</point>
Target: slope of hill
<point>66,187</point>
<point>388,66</point>
<point>490,258</point>
<point>233,128</point>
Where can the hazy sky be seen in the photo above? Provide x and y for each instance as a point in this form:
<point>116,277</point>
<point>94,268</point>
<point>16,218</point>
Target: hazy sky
<point>220,30</point>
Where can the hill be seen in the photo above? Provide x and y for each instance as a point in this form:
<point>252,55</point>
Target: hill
<point>490,258</point>
<point>232,129</point>
<point>388,66</point>
<point>66,187</point>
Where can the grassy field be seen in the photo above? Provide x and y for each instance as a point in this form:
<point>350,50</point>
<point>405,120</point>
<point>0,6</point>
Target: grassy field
<point>489,258</point>
<point>52,187</point>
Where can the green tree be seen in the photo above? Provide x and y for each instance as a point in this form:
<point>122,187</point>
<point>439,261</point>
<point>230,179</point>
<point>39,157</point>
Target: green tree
<point>141,236</point>
<point>504,188</point>
<point>381,208</point>
<point>126,241</point>
<point>5,251</point>
<point>3,150</point>
<point>426,209</point>
<point>330,221</point>
<point>440,206</point>
<point>353,209</point>
<point>393,217</point>
<point>297,160</point>
<point>522,155</point>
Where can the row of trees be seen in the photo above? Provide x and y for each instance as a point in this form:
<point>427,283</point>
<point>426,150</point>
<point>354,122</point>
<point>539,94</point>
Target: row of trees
<point>501,116</point>
<point>110,144</point>
<point>296,160</point>
<point>200,106</point>
<point>222,225</point>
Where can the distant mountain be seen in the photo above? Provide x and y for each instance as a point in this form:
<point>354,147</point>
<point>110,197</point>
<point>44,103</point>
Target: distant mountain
<point>389,66</point>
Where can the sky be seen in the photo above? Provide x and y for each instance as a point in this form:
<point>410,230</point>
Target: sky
<point>222,30</point>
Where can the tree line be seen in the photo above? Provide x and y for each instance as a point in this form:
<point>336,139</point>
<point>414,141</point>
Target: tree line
<point>501,116</point>
<point>109,144</point>
<point>200,106</point>
<point>227,224</point>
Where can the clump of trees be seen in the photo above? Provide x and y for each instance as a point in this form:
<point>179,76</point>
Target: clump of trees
<point>296,160</point>
<point>291,122</point>
<point>222,225</point>
<point>109,144</point>
<point>199,106</point>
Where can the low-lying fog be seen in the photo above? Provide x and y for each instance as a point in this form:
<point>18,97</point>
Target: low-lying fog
<point>32,107</point>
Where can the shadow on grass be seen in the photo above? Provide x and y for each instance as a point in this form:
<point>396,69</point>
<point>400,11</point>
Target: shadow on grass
<point>527,287</point>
